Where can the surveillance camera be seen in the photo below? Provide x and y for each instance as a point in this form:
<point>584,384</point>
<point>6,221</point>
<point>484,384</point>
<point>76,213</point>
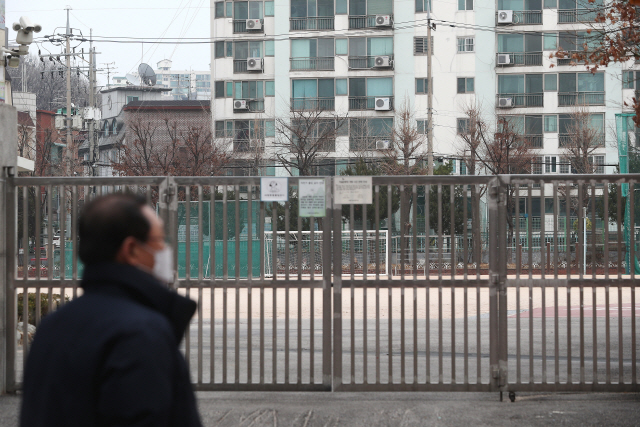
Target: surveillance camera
<point>16,26</point>
<point>13,61</point>
<point>27,25</point>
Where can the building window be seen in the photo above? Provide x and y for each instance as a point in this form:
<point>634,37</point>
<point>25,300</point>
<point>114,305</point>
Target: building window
<point>551,124</point>
<point>462,125</point>
<point>423,6</point>
<point>463,167</point>
<point>229,92</point>
<point>550,4</point>
<point>131,99</point>
<point>466,44</point>
<point>268,8</point>
<point>269,88</point>
<point>465,85</point>
<point>422,126</point>
<point>363,51</point>
<point>422,85</point>
<point>550,82</point>
<point>537,165</point>
<point>342,46</point>
<point>269,49</point>
<point>229,9</point>
<point>597,162</point>
<point>465,4</point>
<point>219,89</point>
<point>219,9</point>
<point>313,94</point>
<point>420,46</point>
<point>218,49</point>
<point>341,7</point>
<point>550,164</point>
<point>364,91</point>
<point>341,87</point>
<point>628,80</point>
<point>550,41</point>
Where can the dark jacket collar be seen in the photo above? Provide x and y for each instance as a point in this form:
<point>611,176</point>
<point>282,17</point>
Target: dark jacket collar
<point>142,287</point>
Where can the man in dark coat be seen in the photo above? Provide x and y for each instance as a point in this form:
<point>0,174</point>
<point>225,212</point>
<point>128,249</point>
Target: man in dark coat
<point>111,356</point>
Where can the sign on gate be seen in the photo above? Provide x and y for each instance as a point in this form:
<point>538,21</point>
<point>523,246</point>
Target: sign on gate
<point>312,200</point>
<point>274,189</point>
<point>356,190</point>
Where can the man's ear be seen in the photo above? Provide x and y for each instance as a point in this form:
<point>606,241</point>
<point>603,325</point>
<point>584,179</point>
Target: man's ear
<point>128,252</point>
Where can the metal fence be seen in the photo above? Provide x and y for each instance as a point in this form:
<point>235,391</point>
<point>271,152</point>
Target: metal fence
<point>281,307</point>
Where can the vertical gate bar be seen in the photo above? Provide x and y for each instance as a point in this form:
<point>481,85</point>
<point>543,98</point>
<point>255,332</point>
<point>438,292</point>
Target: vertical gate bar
<point>478,336</point>
<point>337,296</point>
<point>556,331</point>
<point>466,332</point>
<point>619,228</point>
<point>402,234</point>
<point>530,235</point>
<point>582,370</point>
<point>38,243</point>
<point>415,232</point>
<point>25,271</point>
<point>238,241</point>
<point>555,233</point>
<point>74,237</point>
<point>225,277</point>
<point>494,221</point>
<point>634,360</point>
<point>62,208</point>
<point>582,265</point>
<point>263,255</point>
<point>502,291</point>
<point>608,332</point>
<point>274,304</point>
<point>404,257</point>
<point>311,328</point>
<point>200,279</point>
<point>478,236</point>
<point>593,230</point>
<point>606,229</point>
<point>10,201</point>
<point>543,235</point>
<point>465,237</point>
<point>312,293</point>
<point>352,262</point>
<point>440,267</point>
<point>287,275</point>
<point>543,335</point>
<point>427,273</point>
<point>212,283</point>
<point>569,360</point>
<point>595,331</point>
<point>389,295</point>
<point>415,279</point>
<point>365,270</point>
<point>516,242</point>
<point>327,285</point>
<point>453,274</point>
<point>632,234</point>
<point>518,317</point>
<point>476,230</point>
<point>377,255</point>
<point>620,337</point>
<point>187,251</point>
<point>250,282</point>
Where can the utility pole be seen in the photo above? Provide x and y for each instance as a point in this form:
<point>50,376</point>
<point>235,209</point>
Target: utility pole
<point>429,96</point>
<point>68,121</point>
<point>92,104</point>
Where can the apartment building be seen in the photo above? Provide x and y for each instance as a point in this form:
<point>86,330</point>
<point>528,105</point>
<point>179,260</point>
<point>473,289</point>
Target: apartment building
<point>365,59</point>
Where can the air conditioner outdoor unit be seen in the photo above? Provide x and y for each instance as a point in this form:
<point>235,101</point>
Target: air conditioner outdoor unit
<point>383,104</point>
<point>254,64</point>
<point>240,104</point>
<point>504,59</point>
<point>383,20</point>
<point>505,102</point>
<point>383,144</point>
<point>505,17</point>
<point>382,62</point>
<point>254,24</point>
<point>254,143</point>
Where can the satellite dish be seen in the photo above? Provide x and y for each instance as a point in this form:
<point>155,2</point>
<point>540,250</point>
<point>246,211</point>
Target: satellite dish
<point>147,74</point>
<point>133,79</point>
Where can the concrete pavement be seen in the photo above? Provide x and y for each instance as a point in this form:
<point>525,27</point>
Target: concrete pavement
<point>256,409</point>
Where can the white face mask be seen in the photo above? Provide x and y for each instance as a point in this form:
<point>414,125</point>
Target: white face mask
<point>162,264</point>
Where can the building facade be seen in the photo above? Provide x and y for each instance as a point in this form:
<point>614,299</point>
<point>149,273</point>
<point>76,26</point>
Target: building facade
<point>365,59</point>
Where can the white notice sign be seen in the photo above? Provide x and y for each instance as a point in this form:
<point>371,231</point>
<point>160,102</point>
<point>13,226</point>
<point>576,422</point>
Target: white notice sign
<point>274,189</point>
<point>312,201</point>
<point>353,190</point>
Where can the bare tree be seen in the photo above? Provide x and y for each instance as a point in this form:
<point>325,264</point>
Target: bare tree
<point>503,150</point>
<point>26,136</point>
<point>305,138</point>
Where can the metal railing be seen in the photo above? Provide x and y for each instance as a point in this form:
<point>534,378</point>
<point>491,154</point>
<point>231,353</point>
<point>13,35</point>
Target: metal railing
<point>240,26</point>
<point>321,104</point>
<point>528,59</point>
<point>367,102</point>
<point>366,62</point>
<point>576,15</point>
<point>453,292</point>
<point>525,17</point>
<point>367,21</point>
<point>522,99</point>
<point>566,99</point>
<point>312,63</point>
<point>312,23</point>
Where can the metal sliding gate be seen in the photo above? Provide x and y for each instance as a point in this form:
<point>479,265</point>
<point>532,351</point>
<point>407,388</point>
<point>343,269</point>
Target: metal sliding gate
<point>508,283</point>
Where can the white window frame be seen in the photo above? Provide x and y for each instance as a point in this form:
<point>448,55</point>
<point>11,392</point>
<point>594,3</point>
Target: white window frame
<point>466,44</point>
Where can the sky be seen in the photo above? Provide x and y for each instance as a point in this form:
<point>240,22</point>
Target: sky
<point>135,22</point>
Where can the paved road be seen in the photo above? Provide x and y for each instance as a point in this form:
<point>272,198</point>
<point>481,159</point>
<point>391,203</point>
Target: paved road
<point>401,409</point>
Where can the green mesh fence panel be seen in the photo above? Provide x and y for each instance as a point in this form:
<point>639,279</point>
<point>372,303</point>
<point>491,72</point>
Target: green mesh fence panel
<point>625,128</point>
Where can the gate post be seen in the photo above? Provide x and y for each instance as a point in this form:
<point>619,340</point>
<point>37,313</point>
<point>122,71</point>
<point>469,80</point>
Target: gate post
<point>497,277</point>
<point>8,164</point>
<point>337,290</point>
<point>168,211</point>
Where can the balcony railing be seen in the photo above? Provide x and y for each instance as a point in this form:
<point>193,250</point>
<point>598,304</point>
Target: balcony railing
<point>569,60</point>
<point>522,99</point>
<point>245,145</point>
<point>367,21</point>
<point>565,139</point>
<point>366,62</point>
<point>240,26</point>
<point>576,15</point>
<point>253,106</point>
<point>312,23</point>
<point>566,99</point>
<point>312,63</point>
<point>321,104</point>
<point>240,66</point>
<point>526,17</point>
<point>367,102</point>
<point>536,141</point>
<point>528,59</point>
